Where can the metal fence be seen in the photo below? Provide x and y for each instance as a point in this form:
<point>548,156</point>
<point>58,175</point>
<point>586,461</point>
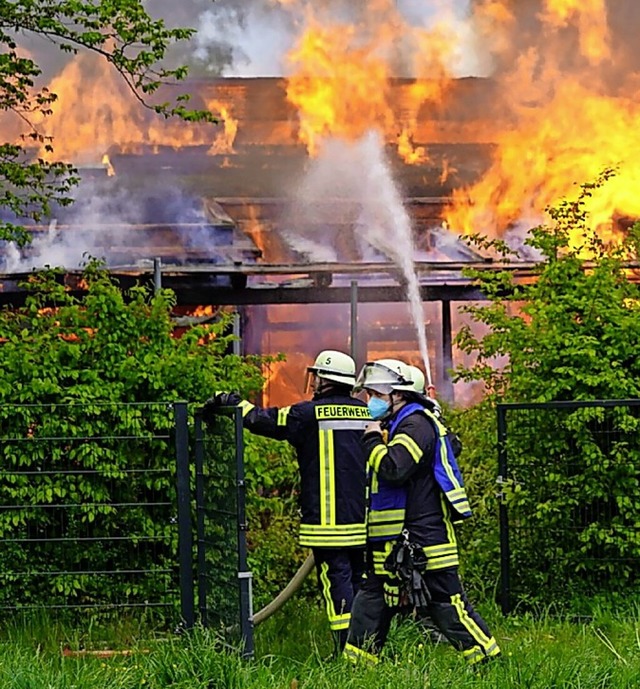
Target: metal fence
<point>106,508</point>
<point>225,599</point>
<point>88,511</point>
<point>569,474</point>
<point>98,508</point>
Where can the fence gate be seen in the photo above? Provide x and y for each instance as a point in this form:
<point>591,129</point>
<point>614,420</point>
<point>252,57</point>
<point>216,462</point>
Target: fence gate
<point>569,474</point>
<point>223,580</point>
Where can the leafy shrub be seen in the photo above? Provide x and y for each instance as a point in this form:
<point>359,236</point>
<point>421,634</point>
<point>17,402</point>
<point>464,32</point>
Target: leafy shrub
<point>572,488</point>
<point>74,368</point>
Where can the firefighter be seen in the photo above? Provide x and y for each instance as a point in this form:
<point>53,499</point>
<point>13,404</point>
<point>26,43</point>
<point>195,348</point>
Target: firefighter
<point>326,433</point>
<point>416,495</point>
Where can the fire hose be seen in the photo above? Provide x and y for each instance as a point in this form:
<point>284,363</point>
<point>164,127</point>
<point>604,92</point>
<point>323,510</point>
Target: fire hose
<point>296,582</point>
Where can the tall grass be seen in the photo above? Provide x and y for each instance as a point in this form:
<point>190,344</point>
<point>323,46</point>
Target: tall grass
<point>293,651</point>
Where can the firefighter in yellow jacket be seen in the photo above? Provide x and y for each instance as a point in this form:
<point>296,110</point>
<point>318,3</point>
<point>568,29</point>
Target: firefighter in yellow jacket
<point>326,433</point>
<point>416,495</point>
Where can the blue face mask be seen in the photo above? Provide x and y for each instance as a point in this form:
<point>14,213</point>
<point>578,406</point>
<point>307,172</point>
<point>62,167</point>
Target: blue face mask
<point>377,407</point>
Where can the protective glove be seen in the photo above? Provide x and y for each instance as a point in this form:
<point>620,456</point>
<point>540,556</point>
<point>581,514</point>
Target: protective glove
<point>456,443</point>
<point>214,405</point>
<point>419,594</point>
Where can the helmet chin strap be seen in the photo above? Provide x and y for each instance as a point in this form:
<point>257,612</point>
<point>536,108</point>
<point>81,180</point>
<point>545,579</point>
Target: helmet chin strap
<point>321,385</point>
<point>324,384</point>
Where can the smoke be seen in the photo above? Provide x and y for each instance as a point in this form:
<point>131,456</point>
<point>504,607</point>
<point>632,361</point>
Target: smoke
<point>350,186</point>
<point>125,226</point>
<point>243,38</point>
<point>601,34</point>
<point>254,37</point>
<point>52,60</point>
<point>96,226</point>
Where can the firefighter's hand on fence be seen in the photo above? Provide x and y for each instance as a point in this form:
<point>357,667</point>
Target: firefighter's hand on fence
<point>216,405</point>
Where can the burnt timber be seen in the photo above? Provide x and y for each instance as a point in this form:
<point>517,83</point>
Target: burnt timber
<point>321,283</point>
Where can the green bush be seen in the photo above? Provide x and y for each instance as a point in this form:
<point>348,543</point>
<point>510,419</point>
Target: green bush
<point>568,335</point>
<point>85,422</point>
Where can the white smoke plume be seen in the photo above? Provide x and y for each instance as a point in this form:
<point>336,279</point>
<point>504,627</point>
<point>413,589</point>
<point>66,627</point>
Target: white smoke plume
<point>123,226</point>
<point>255,36</point>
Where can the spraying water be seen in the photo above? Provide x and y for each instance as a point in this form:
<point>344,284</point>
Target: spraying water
<point>359,172</point>
<point>386,225</point>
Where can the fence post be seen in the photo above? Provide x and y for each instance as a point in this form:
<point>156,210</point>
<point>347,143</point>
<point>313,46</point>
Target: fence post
<point>185,536</point>
<point>505,553</point>
<point>200,521</point>
<point>244,575</point>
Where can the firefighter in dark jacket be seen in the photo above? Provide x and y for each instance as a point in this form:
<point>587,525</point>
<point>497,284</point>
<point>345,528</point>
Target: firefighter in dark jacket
<point>326,433</point>
<point>416,495</point>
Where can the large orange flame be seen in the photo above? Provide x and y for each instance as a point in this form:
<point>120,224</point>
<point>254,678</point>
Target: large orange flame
<point>566,124</point>
<point>569,102</point>
<point>342,74</point>
<point>590,17</point>
<point>95,110</point>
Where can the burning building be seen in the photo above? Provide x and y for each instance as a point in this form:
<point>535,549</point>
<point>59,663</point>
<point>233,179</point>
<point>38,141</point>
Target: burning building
<point>318,192</point>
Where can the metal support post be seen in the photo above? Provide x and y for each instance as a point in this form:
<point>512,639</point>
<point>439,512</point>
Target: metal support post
<point>447,352</point>
<point>354,321</point>
<point>237,333</point>
<point>245,577</point>
<point>157,274</point>
<point>185,536</point>
<point>505,550</point>
<point>200,522</point>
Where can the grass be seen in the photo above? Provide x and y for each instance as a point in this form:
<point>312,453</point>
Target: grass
<point>292,650</point>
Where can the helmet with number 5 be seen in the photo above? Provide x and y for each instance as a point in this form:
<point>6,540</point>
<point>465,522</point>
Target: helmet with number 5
<point>335,366</point>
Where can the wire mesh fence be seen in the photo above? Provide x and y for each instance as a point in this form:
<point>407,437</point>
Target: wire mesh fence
<point>569,475</point>
<point>113,507</point>
<point>101,506</point>
<point>88,516</point>
<point>224,582</point>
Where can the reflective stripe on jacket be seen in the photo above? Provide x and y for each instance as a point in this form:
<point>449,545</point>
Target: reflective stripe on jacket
<point>415,483</point>
<point>326,433</point>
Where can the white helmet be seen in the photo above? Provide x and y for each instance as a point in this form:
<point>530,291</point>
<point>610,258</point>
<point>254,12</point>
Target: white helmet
<point>335,366</point>
<point>419,387</point>
<point>417,376</point>
<point>385,376</point>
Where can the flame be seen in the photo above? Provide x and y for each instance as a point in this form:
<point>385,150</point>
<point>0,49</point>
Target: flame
<point>284,380</point>
<point>109,167</point>
<point>339,88</point>
<point>225,138</point>
<point>567,122</point>
<point>342,73</point>
<point>591,19</point>
<point>95,110</point>
<point>201,311</point>
<point>412,155</point>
